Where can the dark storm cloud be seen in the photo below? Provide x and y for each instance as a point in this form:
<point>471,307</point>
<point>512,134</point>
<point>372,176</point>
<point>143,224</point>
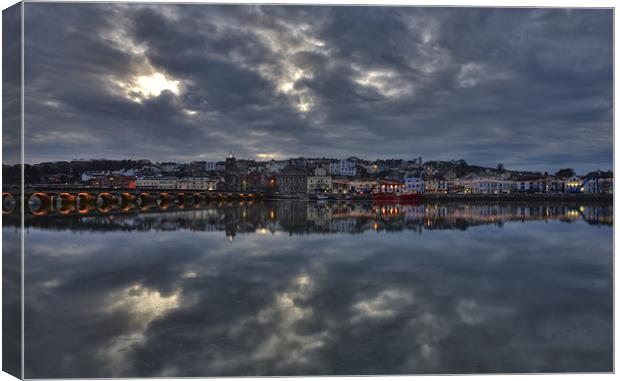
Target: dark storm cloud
<point>531,88</point>
<point>11,84</point>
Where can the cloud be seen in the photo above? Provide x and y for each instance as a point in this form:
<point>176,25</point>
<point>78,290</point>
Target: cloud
<point>531,88</point>
<point>191,303</point>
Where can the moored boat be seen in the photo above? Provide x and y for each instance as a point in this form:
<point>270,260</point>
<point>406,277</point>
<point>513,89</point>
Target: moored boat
<point>396,197</point>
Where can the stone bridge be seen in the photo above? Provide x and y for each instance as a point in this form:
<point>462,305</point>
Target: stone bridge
<point>40,201</point>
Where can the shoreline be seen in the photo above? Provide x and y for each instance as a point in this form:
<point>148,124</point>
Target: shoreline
<point>565,198</point>
<point>560,197</point>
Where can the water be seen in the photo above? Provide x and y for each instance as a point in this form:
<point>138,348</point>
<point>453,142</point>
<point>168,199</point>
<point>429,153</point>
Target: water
<point>296,288</point>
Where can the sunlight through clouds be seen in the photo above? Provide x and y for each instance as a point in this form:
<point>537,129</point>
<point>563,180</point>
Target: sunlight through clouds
<point>144,87</point>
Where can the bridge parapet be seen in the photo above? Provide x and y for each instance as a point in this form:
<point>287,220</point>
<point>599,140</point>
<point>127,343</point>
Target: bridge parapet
<point>39,203</point>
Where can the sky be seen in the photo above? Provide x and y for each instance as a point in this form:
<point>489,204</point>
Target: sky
<point>529,88</point>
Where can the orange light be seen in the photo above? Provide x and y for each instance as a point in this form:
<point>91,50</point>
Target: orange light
<point>83,201</point>
<point>66,203</point>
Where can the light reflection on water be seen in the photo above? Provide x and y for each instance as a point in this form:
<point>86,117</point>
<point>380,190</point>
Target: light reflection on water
<point>303,288</point>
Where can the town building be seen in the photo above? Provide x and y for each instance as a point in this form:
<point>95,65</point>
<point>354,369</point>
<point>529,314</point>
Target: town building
<point>320,182</point>
<point>196,183</point>
<point>573,185</point>
<point>231,163</point>
<point>414,183</point>
<point>598,185</point>
<point>391,186</point>
<point>256,181</point>
<point>343,168</point>
<point>113,181</point>
<point>164,182</point>
<point>292,180</point>
<point>211,166</point>
<point>554,185</point>
<point>341,185</point>
<point>484,185</point>
<point>436,184</point>
<point>372,168</point>
<point>530,184</point>
<point>363,185</point>
<point>168,167</point>
<point>276,165</point>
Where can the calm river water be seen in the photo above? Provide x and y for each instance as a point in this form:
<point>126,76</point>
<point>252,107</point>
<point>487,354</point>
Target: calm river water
<point>299,288</point>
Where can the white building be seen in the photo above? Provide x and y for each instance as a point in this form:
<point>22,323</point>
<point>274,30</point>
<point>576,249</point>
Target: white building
<point>494,186</point>
<point>184,183</point>
<point>156,183</point>
<point>343,168</point>
<point>197,183</point>
<point>489,185</point>
<point>530,185</point>
<point>414,184</point>
<point>436,185</point>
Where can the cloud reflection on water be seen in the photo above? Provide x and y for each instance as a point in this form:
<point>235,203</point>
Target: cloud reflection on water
<point>530,297</point>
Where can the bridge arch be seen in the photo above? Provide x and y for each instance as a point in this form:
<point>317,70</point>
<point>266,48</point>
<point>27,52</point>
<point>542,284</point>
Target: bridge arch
<point>9,203</point>
<point>65,203</point>
<point>105,202</point>
<point>39,203</point>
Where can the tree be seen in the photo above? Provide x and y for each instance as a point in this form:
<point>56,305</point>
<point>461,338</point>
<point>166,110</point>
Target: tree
<point>500,167</point>
<point>565,173</point>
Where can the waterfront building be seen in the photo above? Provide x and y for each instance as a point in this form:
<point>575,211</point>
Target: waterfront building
<point>485,185</point>
<point>113,181</point>
<point>494,186</point>
<point>196,183</point>
<point>436,184</point>
<point>598,185</point>
<point>271,183</point>
<point>87,176</point>
<point>320,182</point>
<point>414,183</point>
<point>553,185</point>
<point>257,181</point>
<point>363,185</point>
<point>530,184</point>
<point>253,181</point>
<point>230,182</point>
<point>341,185</point>
<point>292,180</point>
<point>182,183</point>
<point>391,186</point>
<point>573,185</point>
<point>164,182</point>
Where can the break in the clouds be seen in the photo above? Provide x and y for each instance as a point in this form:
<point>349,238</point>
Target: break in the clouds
<point>530,88</point>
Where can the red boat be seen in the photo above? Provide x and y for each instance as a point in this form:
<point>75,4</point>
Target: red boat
<point>396,197</point>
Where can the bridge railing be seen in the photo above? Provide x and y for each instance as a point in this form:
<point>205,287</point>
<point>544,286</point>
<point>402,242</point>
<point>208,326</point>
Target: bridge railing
<point>39,203</point>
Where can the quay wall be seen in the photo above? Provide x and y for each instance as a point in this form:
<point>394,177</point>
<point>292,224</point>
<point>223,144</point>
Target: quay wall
<point>542,197</point>
<point>428,197</point>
